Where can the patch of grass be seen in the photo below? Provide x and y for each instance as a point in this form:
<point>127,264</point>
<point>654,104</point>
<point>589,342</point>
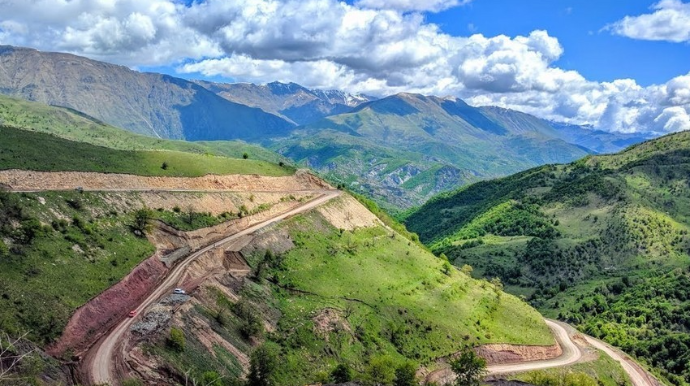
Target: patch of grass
<point>393,298</point>
<point>72,256</point>
<point>21,149</point>
<point>75,126</point>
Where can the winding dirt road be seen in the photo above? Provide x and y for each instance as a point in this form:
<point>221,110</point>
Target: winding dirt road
<point>99,361</point>
<point>571,354</point>
<point>638,375</point>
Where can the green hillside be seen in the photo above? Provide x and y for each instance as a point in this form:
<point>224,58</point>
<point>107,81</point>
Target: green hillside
<point>73,125</point>
<point>403,302</point>
<point>27,150</point>
<point>353,298</point>
<point>602,242</point>
<point>403,149</point>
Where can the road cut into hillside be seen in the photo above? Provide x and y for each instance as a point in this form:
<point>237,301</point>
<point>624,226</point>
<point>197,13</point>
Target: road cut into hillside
<point>28,181</point>
<point>104,363</point>
<point>571,353</point>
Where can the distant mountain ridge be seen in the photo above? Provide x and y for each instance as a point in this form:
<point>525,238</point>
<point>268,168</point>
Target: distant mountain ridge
<point>407,147</point>
<point>145,103</point>
<point>400,149</point>
<point>291,101</point>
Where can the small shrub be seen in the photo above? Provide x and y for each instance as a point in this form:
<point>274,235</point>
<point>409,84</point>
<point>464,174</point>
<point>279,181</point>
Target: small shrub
<point>176,340</point>
<point>132,382</point>
<point>341,374</point>
<point>406,375</point>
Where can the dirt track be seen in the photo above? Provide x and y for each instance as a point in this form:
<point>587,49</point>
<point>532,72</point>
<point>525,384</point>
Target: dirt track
<point>99,362</point>
<point>637,374</point>
<point>25,180</point>
<point>571,354</point>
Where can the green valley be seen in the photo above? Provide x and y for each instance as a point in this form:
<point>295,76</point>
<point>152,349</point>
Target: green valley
<point>602,242</point>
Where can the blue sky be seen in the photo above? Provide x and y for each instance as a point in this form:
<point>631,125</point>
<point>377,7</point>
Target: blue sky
<point>596,54</point>
<point>618,65</point>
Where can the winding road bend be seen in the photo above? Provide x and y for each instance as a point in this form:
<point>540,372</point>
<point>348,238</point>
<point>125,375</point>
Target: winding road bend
<point>571,354</point>
<point>100,360</point>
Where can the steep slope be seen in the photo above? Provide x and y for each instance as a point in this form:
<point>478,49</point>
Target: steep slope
<point>151,104</point>
<point>291,101</point>
<point>295,287</point>
<point>405,148</point>
<point>73,262</point>
<point>602,242</point>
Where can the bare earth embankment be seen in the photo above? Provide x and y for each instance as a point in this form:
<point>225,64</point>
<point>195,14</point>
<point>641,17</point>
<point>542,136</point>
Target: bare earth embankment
<point>24,180</point>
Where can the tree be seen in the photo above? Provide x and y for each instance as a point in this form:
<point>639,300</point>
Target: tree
<point>466,269</point>
<point>498,287</point>
<point>469,368</point>
<point>176,340</point>
<point>142,221</point>
<point>447,268</point>
<point>245,155</point>
<point>406,375</point>
<point>4,250</point>
<point>341,374</point>
<point>211,378</point>
<point>262,365</point>
<point>381,371</point>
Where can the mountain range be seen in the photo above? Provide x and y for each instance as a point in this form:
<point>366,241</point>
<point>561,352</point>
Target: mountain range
<point>292,102</point>
<point>400,150</point>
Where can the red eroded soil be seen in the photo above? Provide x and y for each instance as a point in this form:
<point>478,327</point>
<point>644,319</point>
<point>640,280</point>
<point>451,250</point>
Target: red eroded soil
<point>93,320</point>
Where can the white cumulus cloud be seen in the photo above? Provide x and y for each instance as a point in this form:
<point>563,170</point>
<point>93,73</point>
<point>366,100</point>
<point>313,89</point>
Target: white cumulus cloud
<point>670,21</point>
<point>374,46</point>
<point>412,5</point>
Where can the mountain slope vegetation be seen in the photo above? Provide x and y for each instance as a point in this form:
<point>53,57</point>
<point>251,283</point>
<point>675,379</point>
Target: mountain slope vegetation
<point>602,242</point>
<point>305,303</point>
<point>400,150</point>
<point>75,126</point>
<point>405,148</point>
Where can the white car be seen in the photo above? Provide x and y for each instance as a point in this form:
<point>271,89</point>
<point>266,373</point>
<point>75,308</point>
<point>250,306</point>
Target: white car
<point>179,291</point>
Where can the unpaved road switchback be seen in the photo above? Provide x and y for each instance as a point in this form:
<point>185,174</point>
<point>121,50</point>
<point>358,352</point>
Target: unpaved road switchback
<point>103,362</point>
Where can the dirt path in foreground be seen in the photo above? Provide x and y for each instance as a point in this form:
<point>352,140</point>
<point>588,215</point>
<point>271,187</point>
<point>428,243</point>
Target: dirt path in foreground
<point>104,360</point>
